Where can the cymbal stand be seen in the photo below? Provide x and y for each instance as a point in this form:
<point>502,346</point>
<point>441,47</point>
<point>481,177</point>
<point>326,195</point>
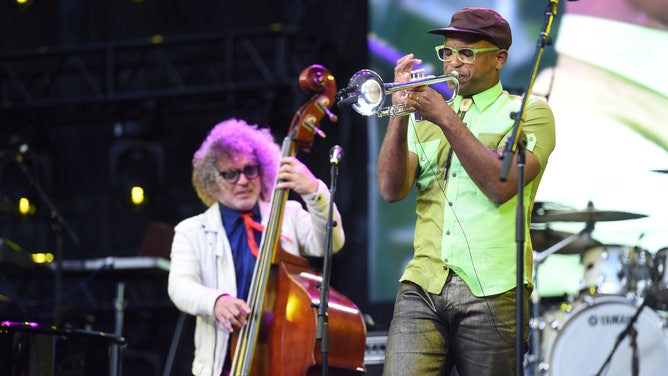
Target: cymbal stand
<point>632,333</point>
<point>535,326</point>
<point>539,257</point>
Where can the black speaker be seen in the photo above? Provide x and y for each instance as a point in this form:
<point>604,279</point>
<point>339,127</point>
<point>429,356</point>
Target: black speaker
<point>374,356</point>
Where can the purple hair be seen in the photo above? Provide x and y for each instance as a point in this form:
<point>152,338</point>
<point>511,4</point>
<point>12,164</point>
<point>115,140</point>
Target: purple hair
<point>229,140</point>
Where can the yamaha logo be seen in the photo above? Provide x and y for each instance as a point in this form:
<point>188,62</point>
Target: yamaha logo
<point>609,320</point>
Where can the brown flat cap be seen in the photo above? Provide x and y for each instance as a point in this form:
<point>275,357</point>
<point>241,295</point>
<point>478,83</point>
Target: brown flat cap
<point>484,22</point>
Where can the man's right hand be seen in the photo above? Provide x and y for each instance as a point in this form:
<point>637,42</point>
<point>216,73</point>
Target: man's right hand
<point>231,312</point>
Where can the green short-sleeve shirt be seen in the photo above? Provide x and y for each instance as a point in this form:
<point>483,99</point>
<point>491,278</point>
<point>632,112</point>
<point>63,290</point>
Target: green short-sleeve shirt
<point>458,228</point>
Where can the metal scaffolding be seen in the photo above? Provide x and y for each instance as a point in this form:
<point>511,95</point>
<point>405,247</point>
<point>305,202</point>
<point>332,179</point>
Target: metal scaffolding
<point>152,68</point>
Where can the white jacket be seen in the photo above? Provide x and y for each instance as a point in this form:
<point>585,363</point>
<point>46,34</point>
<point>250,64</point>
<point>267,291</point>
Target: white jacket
<point>202,267</point>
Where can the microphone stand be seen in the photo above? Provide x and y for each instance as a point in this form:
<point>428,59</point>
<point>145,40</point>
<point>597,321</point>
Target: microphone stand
<point>631,331</point>
<point>511,147</point>
<point>323,320</point>
<point>59,225</point>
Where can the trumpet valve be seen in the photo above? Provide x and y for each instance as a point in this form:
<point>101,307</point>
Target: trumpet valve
<point>418,74</point>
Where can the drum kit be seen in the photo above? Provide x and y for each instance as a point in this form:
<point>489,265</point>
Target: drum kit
<point>616,324</point>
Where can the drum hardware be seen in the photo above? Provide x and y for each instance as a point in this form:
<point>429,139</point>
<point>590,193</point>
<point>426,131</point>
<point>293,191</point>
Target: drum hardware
<point>661,171</point>
<point>617,279</point>
<point>538,324</point>
<point>544,324</point>
<point>568,243</point>
<point>571,243</point>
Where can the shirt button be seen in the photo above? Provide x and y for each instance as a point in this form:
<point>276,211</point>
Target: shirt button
<point>450,203</point>
<point>447,232</point>
<point>445,267</point>
<point>454,174</point>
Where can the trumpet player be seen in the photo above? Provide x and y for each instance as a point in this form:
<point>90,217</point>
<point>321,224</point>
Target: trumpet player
<point>455,307</point>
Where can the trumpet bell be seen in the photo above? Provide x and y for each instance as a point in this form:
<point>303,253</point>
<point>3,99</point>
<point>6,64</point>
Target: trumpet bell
<point>370,92</point>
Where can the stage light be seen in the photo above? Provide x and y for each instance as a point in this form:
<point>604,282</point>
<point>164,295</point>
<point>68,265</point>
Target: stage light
<point>25,207</point>
<point>20,173</point>
<point>43,258</point>
<point>23,5</point>
<point>136,171</point>
<point>137,196</point>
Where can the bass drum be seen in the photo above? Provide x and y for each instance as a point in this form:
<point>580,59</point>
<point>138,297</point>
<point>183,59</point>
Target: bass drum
<point>588,336</point>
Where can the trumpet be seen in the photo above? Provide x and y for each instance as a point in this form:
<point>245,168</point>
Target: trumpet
<point>366,92</point>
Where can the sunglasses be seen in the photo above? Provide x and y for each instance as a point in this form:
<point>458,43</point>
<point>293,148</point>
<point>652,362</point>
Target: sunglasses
<point>465,54</point>
<point>232,176</point>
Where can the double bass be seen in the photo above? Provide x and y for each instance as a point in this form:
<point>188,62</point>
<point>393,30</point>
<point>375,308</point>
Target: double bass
<point>280,336</point>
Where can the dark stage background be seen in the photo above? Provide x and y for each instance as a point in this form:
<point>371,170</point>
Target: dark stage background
<point>97,94</point>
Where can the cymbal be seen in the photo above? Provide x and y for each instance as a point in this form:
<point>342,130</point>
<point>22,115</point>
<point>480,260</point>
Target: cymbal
<point>589,215</point>
<point>542,209</point>
<point>542,239</point>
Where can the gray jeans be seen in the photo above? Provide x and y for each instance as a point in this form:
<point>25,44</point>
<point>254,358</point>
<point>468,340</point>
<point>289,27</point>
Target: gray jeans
<point>431,334</point>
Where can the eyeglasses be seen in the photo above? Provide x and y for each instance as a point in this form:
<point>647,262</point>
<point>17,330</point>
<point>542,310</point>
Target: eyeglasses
<point>251,172</point>
<point>466,54</point>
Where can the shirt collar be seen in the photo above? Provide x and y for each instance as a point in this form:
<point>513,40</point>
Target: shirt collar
<point>483,99</point>
<point>230,215</point>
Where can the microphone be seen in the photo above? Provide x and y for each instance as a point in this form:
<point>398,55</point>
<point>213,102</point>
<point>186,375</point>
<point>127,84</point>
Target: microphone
<point>345,91</point>
<point>347,96</point>
<point>335,154</point>
<point>348,101</point>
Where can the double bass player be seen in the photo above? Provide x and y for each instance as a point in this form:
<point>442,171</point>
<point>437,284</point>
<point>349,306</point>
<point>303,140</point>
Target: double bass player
<point>213,258</point>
